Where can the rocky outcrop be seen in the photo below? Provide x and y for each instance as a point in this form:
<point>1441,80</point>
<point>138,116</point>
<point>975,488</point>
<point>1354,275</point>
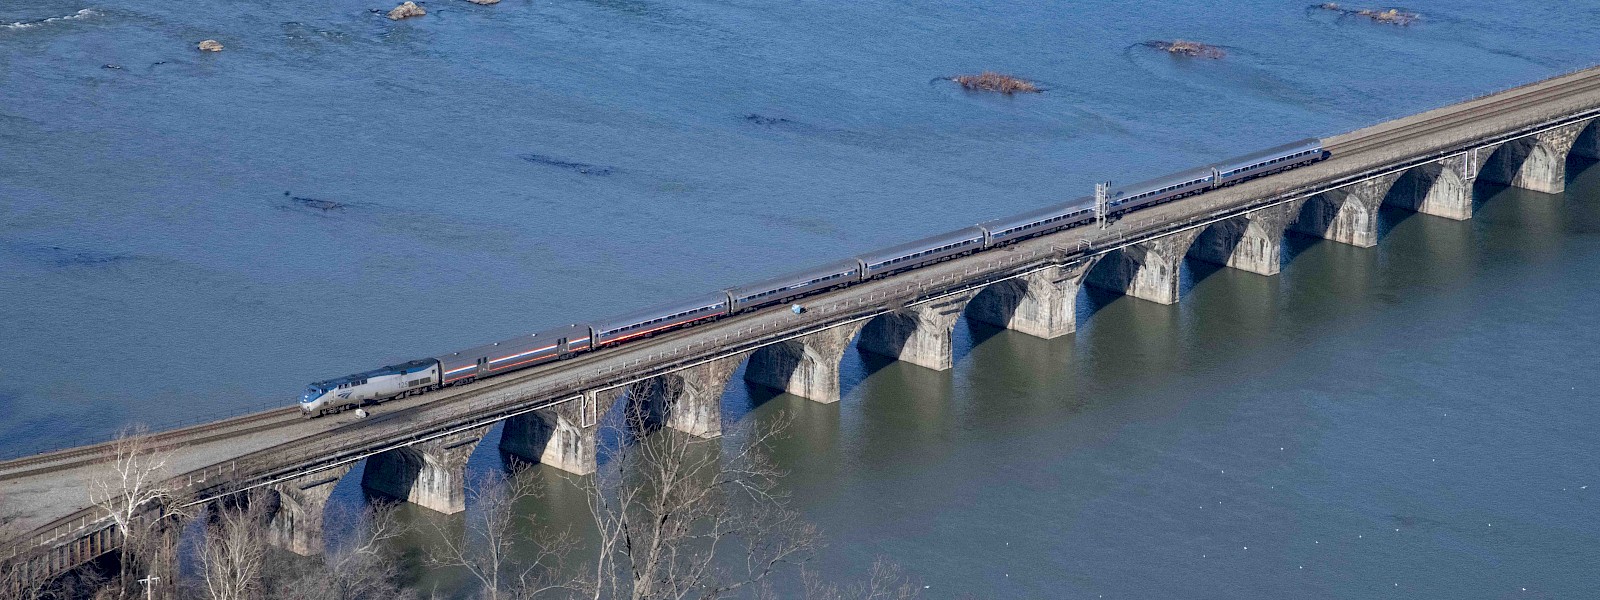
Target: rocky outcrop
<point>406,11</point>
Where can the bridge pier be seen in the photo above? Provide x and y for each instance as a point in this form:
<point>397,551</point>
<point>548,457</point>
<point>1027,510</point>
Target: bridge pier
<point>295,520</point>
<point>1348,215</point>
<point>1042,304</point>
<point>690,400</point>
<point>918,334</point>
<point>1251,242</point>
<point>807,366</point>
<point>1439,188</point>
<point>1147,270</point>
<point>1536,162</point>
<point>562,436</point>
<point>429,474</point>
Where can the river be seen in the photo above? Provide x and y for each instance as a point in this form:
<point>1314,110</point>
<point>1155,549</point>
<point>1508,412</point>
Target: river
<point>188,236</point>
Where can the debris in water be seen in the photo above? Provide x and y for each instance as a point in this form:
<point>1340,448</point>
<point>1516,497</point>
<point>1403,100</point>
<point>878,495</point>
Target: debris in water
<point>405,11</point>
<point>209,46</point>
<point>484,2</point>
<point>111,66</point>
<point>319,204</point>
<point>765,120</point>
<point>584,168</point>
<point>990,81</point>
<point>1188,48</point>
<point>1388,16</point>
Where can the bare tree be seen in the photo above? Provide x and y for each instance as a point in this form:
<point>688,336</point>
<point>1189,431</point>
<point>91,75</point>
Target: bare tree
<point>488,551</point>
<point>14,581</point>
<point>134,489</point>
<point>356,567</point>
<point>886,581</point>
<point>234,550</point>
<point>678,517</point>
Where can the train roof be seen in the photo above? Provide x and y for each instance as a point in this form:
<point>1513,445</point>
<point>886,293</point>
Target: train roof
<point>1273,152</point>
<point>1183,176</point>
<point>1038,214</point>
<point>521,342</point>
<point>932,241</point>
<point>661,310</point>
<point>407,366</point>
<point>796,277</point>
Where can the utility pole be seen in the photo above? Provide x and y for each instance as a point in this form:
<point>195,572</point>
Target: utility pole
<point>150,586</point>
<point>1102,202</point>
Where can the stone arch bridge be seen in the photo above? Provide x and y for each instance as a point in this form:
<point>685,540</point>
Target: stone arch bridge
<point>416,449</point>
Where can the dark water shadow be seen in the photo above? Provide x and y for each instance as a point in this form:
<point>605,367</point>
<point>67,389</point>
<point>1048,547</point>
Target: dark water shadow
<point>1295,244</point>
<point>1192,271</point>
<point>1092,300</point>
<point>1390,217</point>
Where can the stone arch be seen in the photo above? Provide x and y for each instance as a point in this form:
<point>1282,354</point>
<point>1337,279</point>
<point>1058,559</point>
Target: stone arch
<point>1337,216</point>
<point>1251,242</point>
<point>1587,143</point>
<point>806,366</point>
<point>1436,188</point>
<point>1535,162</point>
<point>687,400</point>
<point>1147,270</point>
<point>919,334</point>
<point>1042,304</point>
<point>430,474</point>
<point>295,515</point>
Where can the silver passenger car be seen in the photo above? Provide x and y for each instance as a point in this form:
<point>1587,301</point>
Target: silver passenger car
<point>1270,160</point>
<point>921,252</point>
<point>655,320</point>
<point>515,353</point>
<point>786,287</point>
<point>1035,222</point>
<point>1162,188</point>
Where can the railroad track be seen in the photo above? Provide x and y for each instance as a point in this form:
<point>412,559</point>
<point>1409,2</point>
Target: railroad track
<point>71,458</point>
<point>1438,123</point>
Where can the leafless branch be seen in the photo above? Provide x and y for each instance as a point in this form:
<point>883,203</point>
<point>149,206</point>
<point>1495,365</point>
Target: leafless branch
<point>134,489</point>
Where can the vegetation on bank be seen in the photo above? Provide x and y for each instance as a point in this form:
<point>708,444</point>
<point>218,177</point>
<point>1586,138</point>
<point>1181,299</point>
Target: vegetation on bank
<point>990,81</point>
<point>673,516</point>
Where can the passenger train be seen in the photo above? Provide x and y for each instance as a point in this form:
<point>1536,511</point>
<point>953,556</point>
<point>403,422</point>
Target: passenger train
<point>465,366</point>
